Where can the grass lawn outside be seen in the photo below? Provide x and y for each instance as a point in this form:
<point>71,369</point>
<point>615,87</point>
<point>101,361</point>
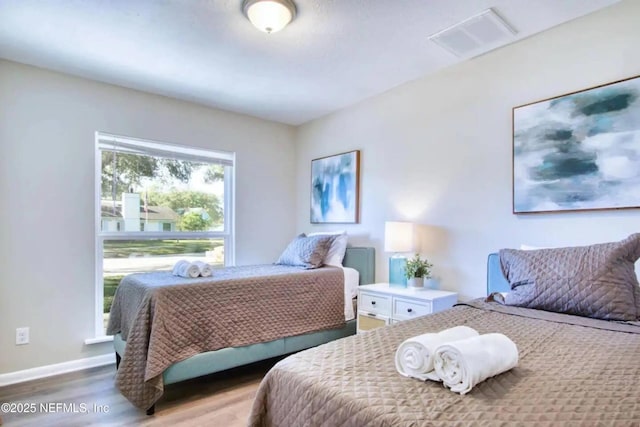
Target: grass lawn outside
<point>110,285</point>
<point>129,248</point>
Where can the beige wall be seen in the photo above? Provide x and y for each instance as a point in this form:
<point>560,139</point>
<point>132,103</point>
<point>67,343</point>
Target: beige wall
<point>47,125</point>
<point>437,151</point>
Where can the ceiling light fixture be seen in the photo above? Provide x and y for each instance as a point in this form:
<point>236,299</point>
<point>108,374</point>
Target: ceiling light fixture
<point>269,15</point>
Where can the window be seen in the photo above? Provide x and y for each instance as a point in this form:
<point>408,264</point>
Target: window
<point>157,203</point>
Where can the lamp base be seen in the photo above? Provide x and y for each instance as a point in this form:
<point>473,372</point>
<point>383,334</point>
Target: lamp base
<point>396,271</point>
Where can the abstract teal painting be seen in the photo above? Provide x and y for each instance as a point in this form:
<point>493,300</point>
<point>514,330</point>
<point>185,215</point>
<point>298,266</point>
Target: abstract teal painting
<point>335,188</point>
<point>579,151</point>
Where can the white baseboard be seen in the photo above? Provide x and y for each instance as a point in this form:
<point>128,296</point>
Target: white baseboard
<point>56,369</point>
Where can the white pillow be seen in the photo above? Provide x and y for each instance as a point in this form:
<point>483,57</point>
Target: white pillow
<point>530,248</point>
<point>337,249</point>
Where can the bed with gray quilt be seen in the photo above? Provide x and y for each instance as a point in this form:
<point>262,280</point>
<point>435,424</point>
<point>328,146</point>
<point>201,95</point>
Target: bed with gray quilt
<point>572,312</point>
<point>167,329</point>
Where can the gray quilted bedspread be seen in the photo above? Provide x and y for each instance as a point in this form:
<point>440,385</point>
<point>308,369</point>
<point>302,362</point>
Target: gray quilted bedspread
<point>572,371</point>
<point>166,319</point>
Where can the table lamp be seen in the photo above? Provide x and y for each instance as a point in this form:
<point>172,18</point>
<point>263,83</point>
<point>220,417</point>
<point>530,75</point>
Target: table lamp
<point>398,239</point>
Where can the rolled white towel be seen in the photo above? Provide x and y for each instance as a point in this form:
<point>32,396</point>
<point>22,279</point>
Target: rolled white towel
<point>178,265</point>
<point>204,269</point>
<point>414,357</point>
<point>184,268</point>
<point>463,364</point>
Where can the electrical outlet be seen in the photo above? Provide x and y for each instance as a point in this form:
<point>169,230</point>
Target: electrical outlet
<point>22,336</point>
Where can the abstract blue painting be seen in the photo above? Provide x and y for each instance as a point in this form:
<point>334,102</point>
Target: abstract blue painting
<point>335,188</point>
<point>579,151</point>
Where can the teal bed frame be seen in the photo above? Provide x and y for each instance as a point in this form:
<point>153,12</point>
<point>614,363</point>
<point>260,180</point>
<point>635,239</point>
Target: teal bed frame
<point>360,258</point>
<point>496,282</point>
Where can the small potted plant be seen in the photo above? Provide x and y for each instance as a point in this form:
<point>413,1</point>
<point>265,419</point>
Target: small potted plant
<point>416,271</point>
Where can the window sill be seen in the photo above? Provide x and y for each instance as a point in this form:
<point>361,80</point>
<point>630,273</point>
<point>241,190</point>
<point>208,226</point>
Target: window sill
<point>98,340</point>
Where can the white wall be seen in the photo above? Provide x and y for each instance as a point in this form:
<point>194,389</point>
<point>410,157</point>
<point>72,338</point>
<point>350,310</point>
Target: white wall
<point>47,125</point>
<point>437,151</point>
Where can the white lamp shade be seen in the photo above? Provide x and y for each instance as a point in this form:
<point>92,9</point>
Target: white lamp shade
<point>398,236</point>
<point>269,15</point>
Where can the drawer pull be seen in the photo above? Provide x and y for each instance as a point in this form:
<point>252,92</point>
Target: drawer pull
<point>373,303</point>
<point>371,314</point>
<point>409,310</point>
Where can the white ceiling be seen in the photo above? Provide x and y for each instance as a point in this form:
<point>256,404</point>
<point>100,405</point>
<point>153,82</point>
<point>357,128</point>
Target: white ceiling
<point>334,54</point>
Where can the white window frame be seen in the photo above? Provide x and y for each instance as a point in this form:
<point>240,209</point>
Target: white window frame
<point>135,145</point>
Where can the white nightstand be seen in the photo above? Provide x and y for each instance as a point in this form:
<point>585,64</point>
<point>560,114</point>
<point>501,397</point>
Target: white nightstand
<point>380,305</point>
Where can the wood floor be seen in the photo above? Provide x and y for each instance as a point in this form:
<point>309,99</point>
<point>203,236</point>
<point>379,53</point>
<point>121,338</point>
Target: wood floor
<point>222,399</point>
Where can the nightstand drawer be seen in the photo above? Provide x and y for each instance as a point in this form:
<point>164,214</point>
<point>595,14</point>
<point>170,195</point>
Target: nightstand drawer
<point>375,303</point>
<point>367,321</point>
<point>408,309</point>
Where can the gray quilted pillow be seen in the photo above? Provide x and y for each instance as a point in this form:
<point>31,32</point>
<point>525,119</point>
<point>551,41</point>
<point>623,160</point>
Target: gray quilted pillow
<point>596,281</point>
<point>306,251</point>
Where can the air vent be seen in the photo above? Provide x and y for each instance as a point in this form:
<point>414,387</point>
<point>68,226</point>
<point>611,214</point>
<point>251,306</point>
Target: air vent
<point>475,35</point>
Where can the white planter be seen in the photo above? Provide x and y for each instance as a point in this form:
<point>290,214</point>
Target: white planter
<point>416,282</point>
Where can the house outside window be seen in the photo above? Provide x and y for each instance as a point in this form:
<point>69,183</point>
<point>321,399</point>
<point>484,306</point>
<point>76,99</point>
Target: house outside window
<point>158,203</point>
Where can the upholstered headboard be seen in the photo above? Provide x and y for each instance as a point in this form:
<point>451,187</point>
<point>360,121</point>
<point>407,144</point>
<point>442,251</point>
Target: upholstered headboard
<point>496,282</point>
<point>363,260</point>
